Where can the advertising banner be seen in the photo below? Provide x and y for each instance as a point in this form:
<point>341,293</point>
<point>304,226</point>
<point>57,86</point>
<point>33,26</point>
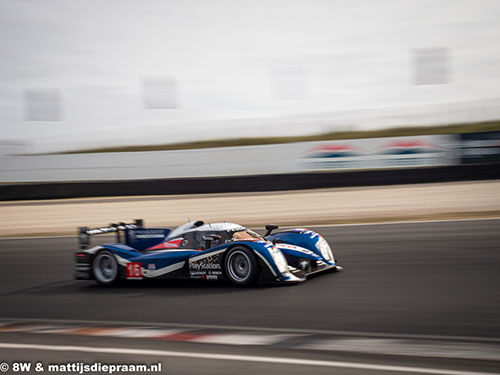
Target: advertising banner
<point>394,152</point>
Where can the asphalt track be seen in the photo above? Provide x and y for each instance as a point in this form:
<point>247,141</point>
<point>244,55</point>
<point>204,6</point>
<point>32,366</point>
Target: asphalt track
<point>435,279</point>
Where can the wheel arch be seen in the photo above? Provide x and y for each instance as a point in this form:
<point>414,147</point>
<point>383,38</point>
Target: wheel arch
<point>258,262</point>
<point>266,271</point>
<point>121,268</point>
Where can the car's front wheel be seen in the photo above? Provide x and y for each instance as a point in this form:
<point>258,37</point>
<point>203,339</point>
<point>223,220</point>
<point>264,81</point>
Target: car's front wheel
<point>105,268</point>
<point>241,267</point>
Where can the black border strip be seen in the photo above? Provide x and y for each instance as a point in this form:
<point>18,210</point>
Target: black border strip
<point>253,183</point>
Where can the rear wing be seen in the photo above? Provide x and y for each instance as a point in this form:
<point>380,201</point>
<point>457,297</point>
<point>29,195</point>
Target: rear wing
<point>84,233</point>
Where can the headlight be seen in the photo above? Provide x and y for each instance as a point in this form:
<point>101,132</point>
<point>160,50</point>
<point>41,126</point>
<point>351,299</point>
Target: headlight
<point>323,246</point>
<point>279,259</point>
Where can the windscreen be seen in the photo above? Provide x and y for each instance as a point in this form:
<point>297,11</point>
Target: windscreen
<point>246,235</point>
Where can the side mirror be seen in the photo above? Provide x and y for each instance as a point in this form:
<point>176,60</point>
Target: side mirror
<point>270,228</point>
<point>209,238</point>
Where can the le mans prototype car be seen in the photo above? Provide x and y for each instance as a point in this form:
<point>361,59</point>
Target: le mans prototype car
<point>197,250</point>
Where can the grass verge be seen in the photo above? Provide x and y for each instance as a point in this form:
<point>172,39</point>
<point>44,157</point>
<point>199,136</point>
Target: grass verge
<point>391,132</point>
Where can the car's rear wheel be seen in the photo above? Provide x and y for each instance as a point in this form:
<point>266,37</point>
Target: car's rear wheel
<point>241,267</point>
<point>105,268</point>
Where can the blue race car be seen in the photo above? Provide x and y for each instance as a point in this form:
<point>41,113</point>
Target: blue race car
<point>195,250</point>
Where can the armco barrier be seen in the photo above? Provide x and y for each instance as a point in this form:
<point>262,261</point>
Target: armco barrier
<point>259,183</point>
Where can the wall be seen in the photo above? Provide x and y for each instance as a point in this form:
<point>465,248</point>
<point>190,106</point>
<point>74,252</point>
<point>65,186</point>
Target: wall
<point>397,152</point>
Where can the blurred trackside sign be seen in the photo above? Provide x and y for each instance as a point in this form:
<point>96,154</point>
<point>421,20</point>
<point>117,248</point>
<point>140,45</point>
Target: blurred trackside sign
<point>160,93</point>
<point>396,152</point>
<point>483,147</point>
<point>431,66</point>
<point>43,104</point>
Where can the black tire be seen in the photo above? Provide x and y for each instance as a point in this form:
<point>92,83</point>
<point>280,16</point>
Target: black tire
<point>240,266</point>
<point>105,268</point>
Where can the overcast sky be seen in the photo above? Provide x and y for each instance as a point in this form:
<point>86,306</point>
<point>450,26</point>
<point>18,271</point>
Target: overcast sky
<point>232,60</point>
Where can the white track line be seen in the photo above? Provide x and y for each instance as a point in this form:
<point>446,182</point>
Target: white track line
<point>301,226</point>
<point>242,339</point>
<point>242,358</point>
<point>398,222</point>
<point>413,348</point>
<point>291,331</point>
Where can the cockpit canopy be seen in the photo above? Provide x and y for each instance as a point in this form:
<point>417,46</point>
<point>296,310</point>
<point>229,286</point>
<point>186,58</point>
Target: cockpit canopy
<point>193,234</point>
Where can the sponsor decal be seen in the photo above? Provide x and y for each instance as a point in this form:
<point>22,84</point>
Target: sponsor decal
<point>151,266</point>
<point>142,234</point>
<point>306,231</point>
<point>210,262</point>
<point>197,273</point>
<point>210,265</point>
<point>208,274</point>
<point>204,266</point>
<point>295,248</point>
<point>172,244</point>
<point>299,230</point>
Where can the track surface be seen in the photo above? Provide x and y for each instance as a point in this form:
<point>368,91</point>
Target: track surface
<point>425,278</point>
<point>429,278</point>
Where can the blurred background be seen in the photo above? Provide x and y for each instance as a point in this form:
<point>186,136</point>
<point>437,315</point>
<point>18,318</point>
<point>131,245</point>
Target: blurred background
<point>78,75</point>
<point>381,116</point>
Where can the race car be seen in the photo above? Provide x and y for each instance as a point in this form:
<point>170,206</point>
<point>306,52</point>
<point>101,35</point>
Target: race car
<point>195,250</point>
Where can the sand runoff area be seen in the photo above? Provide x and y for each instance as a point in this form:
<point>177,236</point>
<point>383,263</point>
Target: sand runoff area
<point>298,208</point>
